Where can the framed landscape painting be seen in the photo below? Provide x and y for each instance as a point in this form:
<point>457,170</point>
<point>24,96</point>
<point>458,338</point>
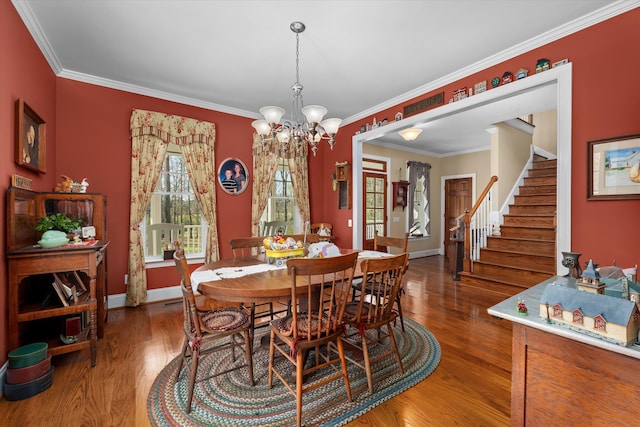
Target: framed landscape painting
<point>613,168</point>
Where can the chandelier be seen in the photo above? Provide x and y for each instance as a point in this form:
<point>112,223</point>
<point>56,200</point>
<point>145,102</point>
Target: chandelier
<point>295,133</point>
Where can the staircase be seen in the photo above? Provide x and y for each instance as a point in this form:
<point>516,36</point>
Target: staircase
<point>524,254</point>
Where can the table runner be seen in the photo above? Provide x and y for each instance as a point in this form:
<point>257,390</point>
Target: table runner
<point>198,277</point>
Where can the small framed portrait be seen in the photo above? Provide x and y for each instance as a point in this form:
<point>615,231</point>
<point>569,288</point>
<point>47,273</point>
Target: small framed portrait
<point>30,139</point>
<point>233,176</point>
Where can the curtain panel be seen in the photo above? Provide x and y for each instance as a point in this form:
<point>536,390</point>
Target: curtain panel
<point>418,170</point>
<point>266,157</point>
<point>151,133</point>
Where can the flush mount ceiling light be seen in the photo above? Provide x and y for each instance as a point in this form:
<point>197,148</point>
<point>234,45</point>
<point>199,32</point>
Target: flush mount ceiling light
<point>294,133</point>
<point>410,134</point>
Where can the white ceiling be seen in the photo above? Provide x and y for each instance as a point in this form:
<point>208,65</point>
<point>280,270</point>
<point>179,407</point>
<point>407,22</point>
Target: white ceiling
<point>356,56</point>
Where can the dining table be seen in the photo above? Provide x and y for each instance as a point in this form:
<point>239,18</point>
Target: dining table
<point>251,279</point>
<point>254,280</point>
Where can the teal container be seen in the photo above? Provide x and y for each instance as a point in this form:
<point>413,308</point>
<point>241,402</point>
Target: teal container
<point>28,355</point>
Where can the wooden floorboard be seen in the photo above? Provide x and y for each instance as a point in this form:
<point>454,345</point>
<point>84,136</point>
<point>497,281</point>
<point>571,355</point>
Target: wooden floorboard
<point>470,387</point>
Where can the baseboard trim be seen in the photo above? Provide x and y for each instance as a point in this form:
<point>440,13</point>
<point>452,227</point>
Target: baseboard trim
<point>153,295</point>
<point>425,253</point>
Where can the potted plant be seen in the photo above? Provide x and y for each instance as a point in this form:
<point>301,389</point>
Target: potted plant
<point>58,221</point>
<point>55,228</point>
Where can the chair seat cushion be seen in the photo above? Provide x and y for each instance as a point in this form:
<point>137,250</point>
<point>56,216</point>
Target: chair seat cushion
<point>224,319</point>
<point>285,325</point>
<point>351,311</point>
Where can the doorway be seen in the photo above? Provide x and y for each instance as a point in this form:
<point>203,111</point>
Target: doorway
<point>374,197</point>
<point>458,194</point>
<point>558,79</point>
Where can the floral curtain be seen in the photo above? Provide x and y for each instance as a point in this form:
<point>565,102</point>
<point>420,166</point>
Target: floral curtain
<point>265,160</point>
<point>151,133</point>
<point>300,179</point>
<point>416,171</point>
<point>264,163</point>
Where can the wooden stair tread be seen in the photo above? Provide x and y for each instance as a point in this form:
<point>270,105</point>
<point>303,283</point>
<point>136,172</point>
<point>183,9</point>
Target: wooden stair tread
<point>522,239</point>
<point>527,268</point>
<point>537,227</point>
<point>532,214</point>
<point>537,254</point>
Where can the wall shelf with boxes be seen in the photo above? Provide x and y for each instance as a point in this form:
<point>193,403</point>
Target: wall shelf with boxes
<point>400,194</point>
<point>56,295</point>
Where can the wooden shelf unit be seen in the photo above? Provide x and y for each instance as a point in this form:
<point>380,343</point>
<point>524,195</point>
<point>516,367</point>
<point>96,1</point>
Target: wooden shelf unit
<point>31,268</point>
<point>400,194</point>
<point>343,178</point>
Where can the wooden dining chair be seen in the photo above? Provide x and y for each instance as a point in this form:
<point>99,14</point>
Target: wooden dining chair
<point>204,331</point>
<point>323,229</point>
<point>253,247</point>
<point>374,311</point>
<point>387,244</point>
<point>316,320</point>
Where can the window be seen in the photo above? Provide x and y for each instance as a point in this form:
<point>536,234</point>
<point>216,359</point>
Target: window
<point>173,202</point>
<point>418,226</point>
<point>282,205</point>
<point>578,317</point>
<point>418,216</point>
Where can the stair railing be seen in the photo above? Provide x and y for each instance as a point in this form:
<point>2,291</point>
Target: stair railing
<point>477,228</point>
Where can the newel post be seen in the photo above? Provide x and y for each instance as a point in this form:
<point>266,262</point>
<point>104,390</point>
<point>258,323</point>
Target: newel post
<point>466,262</point>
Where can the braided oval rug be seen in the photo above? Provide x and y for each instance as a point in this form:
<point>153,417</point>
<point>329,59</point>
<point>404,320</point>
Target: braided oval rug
<point>229,400</point>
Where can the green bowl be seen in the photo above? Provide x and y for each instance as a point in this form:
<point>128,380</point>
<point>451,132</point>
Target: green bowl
<point>52,243</point>
<point>28,355</point>
<point>53,238</point>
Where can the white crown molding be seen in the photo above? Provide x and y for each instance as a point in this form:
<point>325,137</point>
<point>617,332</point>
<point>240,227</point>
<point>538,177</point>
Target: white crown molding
<point>141,90</point>
<point>564,30</point>
<point>607,12</point>
<point>26,13</point>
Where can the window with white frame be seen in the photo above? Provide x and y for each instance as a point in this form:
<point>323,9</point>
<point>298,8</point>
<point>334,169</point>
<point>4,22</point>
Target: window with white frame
<point>282,205</point>
<point>418,223</point>
<point>173,202</point>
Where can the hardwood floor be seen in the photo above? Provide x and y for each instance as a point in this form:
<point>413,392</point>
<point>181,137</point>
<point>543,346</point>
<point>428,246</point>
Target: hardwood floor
<point>470,387</point>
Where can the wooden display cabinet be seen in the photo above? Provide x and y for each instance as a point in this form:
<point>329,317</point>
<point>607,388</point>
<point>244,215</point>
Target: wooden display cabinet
<point>400,194</point>
<point>343,178</point>
<point>35,312</point>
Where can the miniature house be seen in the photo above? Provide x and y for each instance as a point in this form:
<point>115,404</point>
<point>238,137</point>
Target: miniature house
<point>590,280</point>
<point>613,319</point>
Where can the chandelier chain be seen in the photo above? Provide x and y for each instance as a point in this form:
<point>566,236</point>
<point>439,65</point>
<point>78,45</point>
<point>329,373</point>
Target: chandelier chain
<point>306,125</point>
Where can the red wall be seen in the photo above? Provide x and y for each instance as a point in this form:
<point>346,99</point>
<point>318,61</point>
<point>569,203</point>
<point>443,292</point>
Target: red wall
<point>88,136</point>
<point>606,103</point>
<point>25,74</point>
<point>94,143</point>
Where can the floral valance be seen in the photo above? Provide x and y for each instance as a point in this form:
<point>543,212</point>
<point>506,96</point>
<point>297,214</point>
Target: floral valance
<point>173,129</point>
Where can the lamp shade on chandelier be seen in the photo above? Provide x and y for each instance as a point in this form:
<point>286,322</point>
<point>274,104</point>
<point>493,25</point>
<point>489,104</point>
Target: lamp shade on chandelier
<point>295,133</point>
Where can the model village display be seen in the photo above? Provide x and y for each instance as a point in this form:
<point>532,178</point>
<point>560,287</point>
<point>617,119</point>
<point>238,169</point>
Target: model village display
<point>604,303</point>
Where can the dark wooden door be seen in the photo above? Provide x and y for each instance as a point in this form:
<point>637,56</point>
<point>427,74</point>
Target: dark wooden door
<point>457,199</point>
<point>375,207</point>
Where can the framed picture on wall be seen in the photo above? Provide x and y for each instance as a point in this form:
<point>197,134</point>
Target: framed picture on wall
<point>613,168</point>
<point>233,176</point>
<point>30,149</point>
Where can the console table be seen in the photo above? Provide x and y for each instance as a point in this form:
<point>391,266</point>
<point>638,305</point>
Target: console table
<point>560,376</point>
<point>30,269</point>
<point>37,312</point>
